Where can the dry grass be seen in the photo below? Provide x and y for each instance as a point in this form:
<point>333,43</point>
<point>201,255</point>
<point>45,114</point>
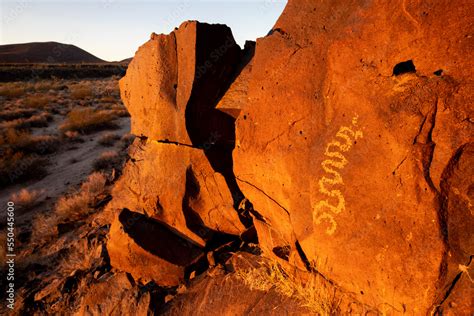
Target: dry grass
<point>81,91</point>
<point>27,143</point>
<point>88,120</point>
<point>36,101</point>
<point>12,90</point>
<point>108,99</point>
<point>73,136</point>
<point>73,207</point>
<point>46,85</point>
<point>38,120</point>
<point>107,160</point>
<point>312,292</point>
<point>27,199</point>
<point>95,184</point>
<point>17,166</point>
<point>70,208</point>
<point>108,139</point>
<point>44,227</point>
<point>83,257</point>
<point>8,115</point>
<point>121,112</point>
<point>78,205</point>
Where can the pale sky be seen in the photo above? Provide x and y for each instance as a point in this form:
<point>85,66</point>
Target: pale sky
<point>114,29</point>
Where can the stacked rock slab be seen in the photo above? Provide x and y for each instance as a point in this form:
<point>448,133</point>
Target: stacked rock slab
<point>354,146</point>
<point>177,193</point>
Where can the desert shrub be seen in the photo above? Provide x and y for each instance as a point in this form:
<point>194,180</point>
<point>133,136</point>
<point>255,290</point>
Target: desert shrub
<point>312,292</point>
<point>36,101</point>
<point>81,91</point>
<point>17,166</point>
<point>44,226</point>
<point>107,160</point>
<point>88,120</point>
<point>46,85</point>
<point>121,112</point>
<point>83,256</point>
<point>12,138</point>
<point>12,90</point>
<point>16,124</point>
<point>108,139</point>
<point>8,115</point>
<point>27,143</point>
<point>95,184</point>
<point>73,136</point>
<point>80,204</point>
<point>38,120</point>
<point>108,99</point>
<point>73,207</point>
<point>42,144</point>
<point>27,199</point>
<point>112,88</point>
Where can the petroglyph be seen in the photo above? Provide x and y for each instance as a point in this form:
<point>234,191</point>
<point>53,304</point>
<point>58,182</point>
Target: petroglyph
<point>323,210</point>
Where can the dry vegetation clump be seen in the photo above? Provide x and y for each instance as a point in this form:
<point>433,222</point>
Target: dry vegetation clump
<point>70,208</point>
<point>108,139</point>
<point>107,160</point>
<point>38,120</point>
<point>12,90</point>
<point>47,85</point>
<point>108,99</point>
<point>83,257</point>
<point>27,143</point>
<point>78,205</point>
<point>17,166</point>
<point>27,199</point>
<point>121,112</point>
<point>112,87</point>
<point>73,206</point>
<point>42,144</point>
<point>8,115</point>
<point>312,292</point>
<point>88,120</point>
<point>95,184</point>
<point>36,101</point>
<point>44,226</point>
<point>73,136</point>
<point>81,91</point>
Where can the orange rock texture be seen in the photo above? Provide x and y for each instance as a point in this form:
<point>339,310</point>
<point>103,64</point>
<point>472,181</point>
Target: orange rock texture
<point>343,138</point>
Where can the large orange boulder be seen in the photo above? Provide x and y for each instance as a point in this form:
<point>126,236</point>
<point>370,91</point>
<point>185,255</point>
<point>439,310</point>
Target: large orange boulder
<point>346,133</point>
<point>178,188</point>
<point>357,118</point>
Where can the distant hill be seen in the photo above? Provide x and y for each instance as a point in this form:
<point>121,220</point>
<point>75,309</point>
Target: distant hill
<point>46,52</point>
<point>126,61</point>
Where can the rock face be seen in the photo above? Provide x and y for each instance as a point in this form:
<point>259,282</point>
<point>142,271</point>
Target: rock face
<point>353,148</point>
<point>178,189</point>
<point>358,116</point>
